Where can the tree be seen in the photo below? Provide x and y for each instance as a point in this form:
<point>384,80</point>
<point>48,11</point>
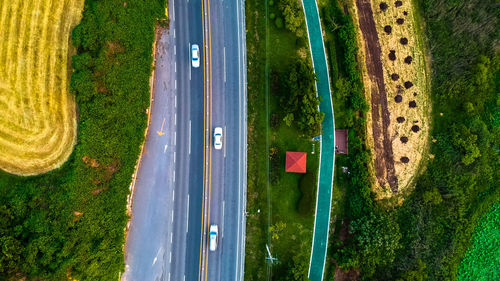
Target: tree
<point>466,142</point>
<point>292,11</point>
<point>376,240</point>
<point>301,103</point>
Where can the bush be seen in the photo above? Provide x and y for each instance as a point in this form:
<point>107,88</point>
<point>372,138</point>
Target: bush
<point>279,23</point>
<point>292,11</point>
<point>272,16</point>
<point>300,102</point>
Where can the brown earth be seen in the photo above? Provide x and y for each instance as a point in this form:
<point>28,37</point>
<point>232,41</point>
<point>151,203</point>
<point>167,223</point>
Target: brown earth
<point>383,153</point>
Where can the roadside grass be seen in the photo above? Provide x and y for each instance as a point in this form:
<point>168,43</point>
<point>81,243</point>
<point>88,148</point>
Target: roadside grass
<point>292,196</point>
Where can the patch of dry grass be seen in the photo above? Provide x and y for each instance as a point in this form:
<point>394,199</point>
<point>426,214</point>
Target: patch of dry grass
<point>416,148</point>
<point>37,112</point>
<point>416,73</point>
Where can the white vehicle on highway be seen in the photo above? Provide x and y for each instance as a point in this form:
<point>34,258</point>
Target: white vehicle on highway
<point>212,240</point>
<point>218,138</point>
<point>195,55</point>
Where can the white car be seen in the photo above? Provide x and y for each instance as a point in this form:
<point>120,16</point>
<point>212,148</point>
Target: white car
<point>212,237</point>
<point>218,138</point>
<point>195,55</point>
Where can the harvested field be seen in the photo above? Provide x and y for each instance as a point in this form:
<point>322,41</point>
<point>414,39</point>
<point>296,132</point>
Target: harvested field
<point>37,112</point>
<point>395,72</point>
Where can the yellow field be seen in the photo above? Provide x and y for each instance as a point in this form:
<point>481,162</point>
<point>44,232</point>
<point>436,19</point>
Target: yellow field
<point>37,112</point>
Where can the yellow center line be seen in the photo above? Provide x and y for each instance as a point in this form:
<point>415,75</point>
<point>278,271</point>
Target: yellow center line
<point>204,141</point>
<point>210,112</point>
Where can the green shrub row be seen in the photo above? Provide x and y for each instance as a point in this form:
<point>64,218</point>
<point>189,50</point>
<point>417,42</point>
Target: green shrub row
<point>70,222</point>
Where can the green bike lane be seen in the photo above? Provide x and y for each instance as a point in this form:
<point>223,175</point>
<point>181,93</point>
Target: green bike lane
<point>327,156</point>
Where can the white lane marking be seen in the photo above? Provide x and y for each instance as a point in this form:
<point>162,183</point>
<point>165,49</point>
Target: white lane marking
<point>170,259</point>
<point>189,137</point>
<point>175,98</point>
<point>224,64</point>
<point>154,261</point>
<point>172,221</point>
<point>187,216</point>
<point>169,276</point>
<point>174,33</point>
<point>189,61</point>
<point>225,143</point>
<point>175,66</point>
<point>171,234</point>
<point>173,11</point>
<point>175,138</point>
<point>175,84</point>
<point>175,119</point>
<point>223,208</point>
<point>174,155</point>
<point>165,148</point>
<point>173,194</point>
<point>174,176</point>
<point>175,49</point>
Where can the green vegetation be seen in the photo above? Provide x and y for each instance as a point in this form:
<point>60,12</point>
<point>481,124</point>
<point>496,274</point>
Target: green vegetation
<point>427,236</point>
<point>482,261</point>
<point>282,120</point>
<point>70,222</point>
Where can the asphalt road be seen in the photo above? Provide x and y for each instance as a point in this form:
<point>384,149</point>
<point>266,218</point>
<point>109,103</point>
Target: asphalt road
<point>167,235</point>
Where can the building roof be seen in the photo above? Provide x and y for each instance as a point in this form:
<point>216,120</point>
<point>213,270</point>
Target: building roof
<point>296,162</point>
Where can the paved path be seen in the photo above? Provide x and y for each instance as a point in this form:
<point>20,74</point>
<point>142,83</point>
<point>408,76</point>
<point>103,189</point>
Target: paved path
<point>327,156</point>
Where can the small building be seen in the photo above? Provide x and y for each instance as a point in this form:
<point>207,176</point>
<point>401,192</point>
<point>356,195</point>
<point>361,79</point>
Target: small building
<point>341,146</point>
<point>296,162</point>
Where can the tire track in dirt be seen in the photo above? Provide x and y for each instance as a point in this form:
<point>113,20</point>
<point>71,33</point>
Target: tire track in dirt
<point>384,158</point>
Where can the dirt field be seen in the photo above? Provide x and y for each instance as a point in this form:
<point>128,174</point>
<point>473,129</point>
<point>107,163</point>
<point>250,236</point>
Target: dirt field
<point>37,113</point>
<point>397,87</point>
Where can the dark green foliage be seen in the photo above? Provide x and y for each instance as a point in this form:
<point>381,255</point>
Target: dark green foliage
<point>71,220</point>
<point>307,186</point>
<point>299,101</point>
<point>293,13</point>
<point>279,22</point>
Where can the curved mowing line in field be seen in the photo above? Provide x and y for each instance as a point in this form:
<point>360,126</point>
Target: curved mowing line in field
<point>37,113</point>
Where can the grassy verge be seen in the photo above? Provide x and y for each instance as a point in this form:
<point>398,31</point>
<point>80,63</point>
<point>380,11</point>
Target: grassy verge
<point>287,224</point>
<point>70,222</point>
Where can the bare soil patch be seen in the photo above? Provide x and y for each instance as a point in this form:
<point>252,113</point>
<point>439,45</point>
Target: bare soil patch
<point>388,29</point>
<point>395,77</point>
<point>398,98</point>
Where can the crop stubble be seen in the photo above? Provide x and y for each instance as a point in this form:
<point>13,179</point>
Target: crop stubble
<point>37,112</point>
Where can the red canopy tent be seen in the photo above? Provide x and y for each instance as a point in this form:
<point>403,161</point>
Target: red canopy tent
<point>296,162</point>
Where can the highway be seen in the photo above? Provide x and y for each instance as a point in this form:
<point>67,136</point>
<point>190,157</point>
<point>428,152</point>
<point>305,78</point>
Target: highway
<point>183,184</point>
